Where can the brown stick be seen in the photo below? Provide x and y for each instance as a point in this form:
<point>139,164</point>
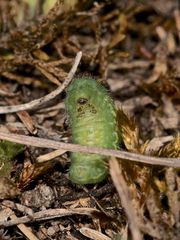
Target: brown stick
<point>49,214</point>
<point>122,189</point>
<point>38,102</point>
<point>45,143</point>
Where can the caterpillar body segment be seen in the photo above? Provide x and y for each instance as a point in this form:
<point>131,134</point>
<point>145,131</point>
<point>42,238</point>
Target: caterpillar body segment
<point>92,117</point>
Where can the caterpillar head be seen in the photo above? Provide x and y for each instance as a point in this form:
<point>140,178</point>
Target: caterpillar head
<point>80,99</point>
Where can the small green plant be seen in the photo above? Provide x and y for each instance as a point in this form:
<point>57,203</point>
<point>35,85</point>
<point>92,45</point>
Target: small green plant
<point>8,150</point>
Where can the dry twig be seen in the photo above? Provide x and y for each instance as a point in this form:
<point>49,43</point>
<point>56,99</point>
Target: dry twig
<point>37,102</point>
<point>49,214</point>
<point>24,229</point>
<point>49,156</point>
<point>122,188</point>
<point>93,234</point>
<point>45,143</point>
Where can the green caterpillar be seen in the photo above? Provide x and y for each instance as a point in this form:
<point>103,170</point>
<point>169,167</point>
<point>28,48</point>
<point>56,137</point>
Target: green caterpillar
<point>92,118</point>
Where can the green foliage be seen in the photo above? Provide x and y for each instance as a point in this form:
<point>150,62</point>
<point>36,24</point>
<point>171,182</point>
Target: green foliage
<point>8,150</point>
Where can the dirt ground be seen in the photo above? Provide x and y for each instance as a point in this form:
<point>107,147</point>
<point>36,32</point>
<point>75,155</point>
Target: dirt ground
<point>132,48</point>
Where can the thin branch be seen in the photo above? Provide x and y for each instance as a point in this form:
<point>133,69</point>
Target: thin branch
<point>93,234</point>
<point>38,102</point>
<point>49,214</point>
<point>24,229</point>
<point>48,156</point>
<point>122,189</point>
<point>45,143</point>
